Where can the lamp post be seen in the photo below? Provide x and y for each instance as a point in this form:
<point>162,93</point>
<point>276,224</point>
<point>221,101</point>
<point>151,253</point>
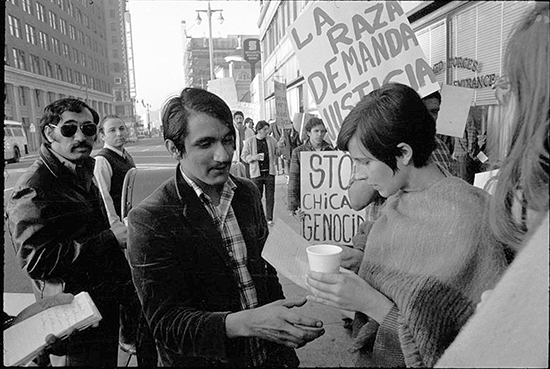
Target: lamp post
<point>209,12</point>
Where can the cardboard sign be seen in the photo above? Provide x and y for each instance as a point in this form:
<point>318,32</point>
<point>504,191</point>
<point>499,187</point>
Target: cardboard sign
<point>299,123</point>
<point>346,49</point>
<point>324,199</point>
<point>250,110</point>
<point>224,88</point>
<point>453,113</point>
<point>281,106</point>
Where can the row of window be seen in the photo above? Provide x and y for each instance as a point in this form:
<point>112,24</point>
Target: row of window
<point>47,68</point>
<point>15,29</point>
<point>64,5</point>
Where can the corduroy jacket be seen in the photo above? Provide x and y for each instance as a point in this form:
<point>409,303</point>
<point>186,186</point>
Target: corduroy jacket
<point>180,269</point>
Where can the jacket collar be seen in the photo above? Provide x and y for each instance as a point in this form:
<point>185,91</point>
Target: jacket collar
<point>59,170</point>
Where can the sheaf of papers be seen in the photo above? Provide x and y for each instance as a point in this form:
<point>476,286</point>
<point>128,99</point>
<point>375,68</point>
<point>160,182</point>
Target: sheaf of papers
<point>23,341</point>
<point>285,250</point>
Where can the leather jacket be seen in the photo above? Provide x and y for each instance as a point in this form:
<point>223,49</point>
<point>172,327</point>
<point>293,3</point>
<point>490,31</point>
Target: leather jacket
<point>61,232</point>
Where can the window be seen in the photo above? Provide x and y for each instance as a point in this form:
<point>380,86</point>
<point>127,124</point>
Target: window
<point>61,4</point>
<point>66,51</point>
<point>51,97</point>
<point>112,13</point>
<point>56,46</point>
<point>70,8</point>
<point>116,67</point>
<point>22,96</point>
<point>113,26</point>
<point>81,37</point>
<point>69,74</point>
<point>83,59</point>
<point>59,72</point>
<point>78,16</point>
<point>40,12</point>
<point>72,32</point>
<point>118,95</point>
<point>53,19</point>
<point>19,59</point>
<point>88,42</point>
<point>44,40</point>
<point>114,40</point>
<point>62,26</point>
<point>26,4</point>
<point>118,81</point>
<point>35,64</point>
<point>115,53</point>
<point>15,26</point>
<point>48,68</point>
<point>38,97</point>
<point>75,55</point>
<point>86,21</point>
<point>30,32</point>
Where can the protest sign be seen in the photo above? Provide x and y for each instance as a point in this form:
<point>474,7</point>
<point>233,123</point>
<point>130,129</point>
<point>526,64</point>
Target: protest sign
<point>324,198</point>
<point>453,113</point>
<point>346,49</point>
<point>281,106</point>
<point>299,123</point>
<point>250,110</point>
<point>224,88</point>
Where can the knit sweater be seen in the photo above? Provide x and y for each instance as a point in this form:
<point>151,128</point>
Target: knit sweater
<point>432,254</point>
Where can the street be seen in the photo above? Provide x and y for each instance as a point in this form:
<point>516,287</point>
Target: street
<point>330,350</point>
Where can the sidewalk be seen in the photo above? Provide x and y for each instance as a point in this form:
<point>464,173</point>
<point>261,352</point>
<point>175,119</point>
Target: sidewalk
<point>331,349</point>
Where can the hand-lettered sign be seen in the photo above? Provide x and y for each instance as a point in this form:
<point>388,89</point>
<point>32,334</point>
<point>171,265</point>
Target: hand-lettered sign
<point>281,106</point>
<point>324,197</point>
<point>453,113</point>
<point>346,49</point>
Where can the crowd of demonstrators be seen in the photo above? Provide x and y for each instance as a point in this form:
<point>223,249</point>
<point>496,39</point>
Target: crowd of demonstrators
<point>242,134</point>
<point>61,232</point>
<point>194,249</point>
<point>425,267</point>
<point>510,328</point>
<point>316,131</point>
<point>111,165</point>
<point>261,152</point>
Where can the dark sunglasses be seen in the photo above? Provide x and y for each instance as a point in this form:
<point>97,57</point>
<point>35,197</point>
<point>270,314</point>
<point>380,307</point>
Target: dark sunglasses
<point>68,130</point>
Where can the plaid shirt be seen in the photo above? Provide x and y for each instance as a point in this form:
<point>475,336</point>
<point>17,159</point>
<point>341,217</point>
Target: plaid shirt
<point>467,145</point>
<point>226,223</point>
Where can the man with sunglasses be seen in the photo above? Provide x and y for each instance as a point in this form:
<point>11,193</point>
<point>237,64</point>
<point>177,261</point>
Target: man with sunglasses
<point>61,233</point>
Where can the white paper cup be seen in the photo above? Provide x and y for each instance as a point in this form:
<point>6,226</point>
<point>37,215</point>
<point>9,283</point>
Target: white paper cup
<point>324,258</point>
<point>261,156</point>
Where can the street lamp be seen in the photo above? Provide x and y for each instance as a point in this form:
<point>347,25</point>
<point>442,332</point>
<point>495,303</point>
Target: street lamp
<point>210,46</point>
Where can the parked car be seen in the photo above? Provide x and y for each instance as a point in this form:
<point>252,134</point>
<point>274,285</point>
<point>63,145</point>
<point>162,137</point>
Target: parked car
<point>15,141</point>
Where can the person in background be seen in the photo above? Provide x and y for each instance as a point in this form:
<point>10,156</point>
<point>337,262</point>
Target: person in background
<point>289,139</point>
<point>445,144</point>
<point>510,327</point>
<point>316,131</point>
<point>261,152</point>
<point>243,133</point>
<point>249,123</point>
<point>425,267</point>
<point>111,165</point>
<point>195,249</point>
<point>466,150</point>
<point>59,226</point>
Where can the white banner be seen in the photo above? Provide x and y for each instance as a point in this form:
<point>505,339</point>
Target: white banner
<point>346,49</point>
<point>324,199</point>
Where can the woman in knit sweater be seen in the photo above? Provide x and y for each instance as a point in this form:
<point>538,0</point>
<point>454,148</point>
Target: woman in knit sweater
<point>430,255</point>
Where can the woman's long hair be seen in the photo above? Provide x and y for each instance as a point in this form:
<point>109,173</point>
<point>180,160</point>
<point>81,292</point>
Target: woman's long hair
<point>523,177</point>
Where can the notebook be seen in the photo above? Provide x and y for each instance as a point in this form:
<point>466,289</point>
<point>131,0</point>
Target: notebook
<point>23,341</point>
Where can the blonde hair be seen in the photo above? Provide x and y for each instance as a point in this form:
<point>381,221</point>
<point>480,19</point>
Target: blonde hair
<point>523,176</point>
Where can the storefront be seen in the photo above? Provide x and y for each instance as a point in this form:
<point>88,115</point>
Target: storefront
<point>465,42</point>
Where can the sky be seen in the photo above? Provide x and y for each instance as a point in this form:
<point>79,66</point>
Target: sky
<point>157,41</point>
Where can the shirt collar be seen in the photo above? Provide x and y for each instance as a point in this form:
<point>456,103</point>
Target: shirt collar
<point>229,186</point>
<point>67,163</point>
<point>119,152</point>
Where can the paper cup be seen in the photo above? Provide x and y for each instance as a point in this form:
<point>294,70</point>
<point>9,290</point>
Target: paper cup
<point>261,156</point>
<point>324,258</point>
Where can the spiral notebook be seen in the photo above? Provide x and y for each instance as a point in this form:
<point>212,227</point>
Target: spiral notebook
<point>23,341</point>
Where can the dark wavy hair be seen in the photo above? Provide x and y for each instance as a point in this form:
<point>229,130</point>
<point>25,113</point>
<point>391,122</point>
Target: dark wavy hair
<point>177,111</point>
<point>53,112</point>
<point>387,117</point>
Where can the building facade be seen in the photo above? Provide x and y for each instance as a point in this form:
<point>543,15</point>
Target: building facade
<point>61,48</point>
<point>464,42</point>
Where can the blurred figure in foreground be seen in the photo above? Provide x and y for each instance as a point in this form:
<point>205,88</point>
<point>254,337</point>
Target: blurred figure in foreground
<point>511,326</point>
